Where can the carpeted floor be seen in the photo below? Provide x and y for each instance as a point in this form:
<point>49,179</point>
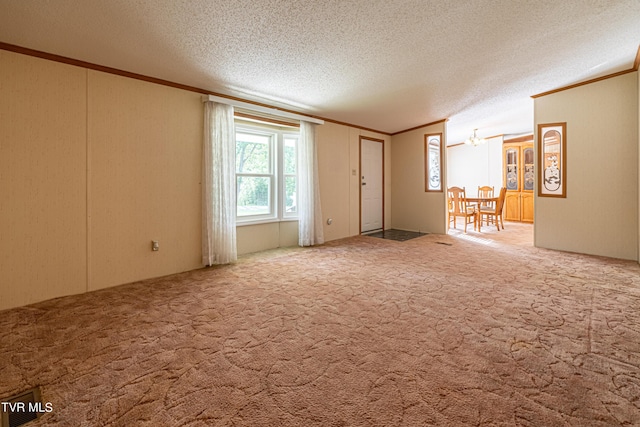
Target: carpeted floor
<point>458,330</point>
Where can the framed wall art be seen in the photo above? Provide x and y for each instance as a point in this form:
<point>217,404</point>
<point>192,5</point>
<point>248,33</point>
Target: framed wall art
<point>433,162</point>
<point>552,160</point>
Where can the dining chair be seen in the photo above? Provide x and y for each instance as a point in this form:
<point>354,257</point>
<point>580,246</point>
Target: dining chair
<point>495,213</point>
<point>485,191</point>
<point>458,207</point>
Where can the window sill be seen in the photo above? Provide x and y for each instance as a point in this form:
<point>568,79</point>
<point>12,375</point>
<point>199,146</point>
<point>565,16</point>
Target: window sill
<point>264,221</point>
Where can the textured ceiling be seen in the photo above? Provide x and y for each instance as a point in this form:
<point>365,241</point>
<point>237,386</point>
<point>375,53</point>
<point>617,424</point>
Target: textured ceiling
<point>388,65</point>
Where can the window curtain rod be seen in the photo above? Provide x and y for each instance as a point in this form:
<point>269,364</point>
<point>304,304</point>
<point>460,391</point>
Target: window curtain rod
<point>267,110</point>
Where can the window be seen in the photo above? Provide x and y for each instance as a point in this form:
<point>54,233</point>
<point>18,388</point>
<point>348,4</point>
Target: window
<point>433,162</point>
<point>266,173</point>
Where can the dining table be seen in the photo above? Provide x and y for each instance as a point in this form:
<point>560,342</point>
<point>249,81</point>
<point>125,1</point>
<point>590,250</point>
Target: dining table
<point>480,201</point>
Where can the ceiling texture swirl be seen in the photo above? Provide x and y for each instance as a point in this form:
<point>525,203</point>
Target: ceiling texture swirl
<point>379,64</point>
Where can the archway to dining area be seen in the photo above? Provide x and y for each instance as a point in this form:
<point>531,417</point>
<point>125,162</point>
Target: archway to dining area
<point>503,161</point>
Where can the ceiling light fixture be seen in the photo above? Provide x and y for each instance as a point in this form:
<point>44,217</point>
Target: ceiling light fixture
<point>474,140</point>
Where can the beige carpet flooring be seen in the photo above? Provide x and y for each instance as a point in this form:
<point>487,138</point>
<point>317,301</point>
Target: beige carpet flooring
<point>457,330</point>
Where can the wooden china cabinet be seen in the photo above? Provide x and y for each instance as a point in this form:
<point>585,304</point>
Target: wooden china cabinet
<point>518,176</point>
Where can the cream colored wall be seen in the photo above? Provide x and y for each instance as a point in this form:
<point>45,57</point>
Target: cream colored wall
<point>339,170</point>
<point>92,168</point>
<point>472,167</point>
<point>600,213</point>
<point>336,182</point>
<point>145,146</point>
<point>43,226</point>
<point>260,237</point>
<point>412,208</point>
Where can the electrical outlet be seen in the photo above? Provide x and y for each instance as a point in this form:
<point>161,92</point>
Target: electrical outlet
<point>155,246</point>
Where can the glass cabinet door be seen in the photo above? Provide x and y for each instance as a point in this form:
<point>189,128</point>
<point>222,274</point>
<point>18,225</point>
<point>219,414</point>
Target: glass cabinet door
<point>511,169</point>
<point>529,176</point>
<point>518,176</point>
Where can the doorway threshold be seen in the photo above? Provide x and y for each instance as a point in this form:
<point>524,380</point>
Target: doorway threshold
<point>397,235</point>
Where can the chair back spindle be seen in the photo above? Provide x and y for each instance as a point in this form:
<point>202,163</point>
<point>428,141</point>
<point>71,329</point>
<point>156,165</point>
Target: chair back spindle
<point>458,206</point>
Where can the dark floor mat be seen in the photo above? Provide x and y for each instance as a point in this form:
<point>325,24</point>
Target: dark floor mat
<point>399,235</point>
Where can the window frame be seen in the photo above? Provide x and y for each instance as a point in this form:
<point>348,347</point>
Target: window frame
<point>282,177</point>
<point>277,175</point>
<point>428,157</point>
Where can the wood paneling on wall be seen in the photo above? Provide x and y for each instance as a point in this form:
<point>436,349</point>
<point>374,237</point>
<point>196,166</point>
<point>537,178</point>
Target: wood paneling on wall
<point>335,184</point>
<point>145,145</point>
<point>93,167</point>
<point>414,209</point>
<point>43,161</point>
<point>600,213</point>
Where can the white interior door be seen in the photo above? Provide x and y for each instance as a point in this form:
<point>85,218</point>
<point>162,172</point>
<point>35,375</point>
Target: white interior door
<point>371,185</point>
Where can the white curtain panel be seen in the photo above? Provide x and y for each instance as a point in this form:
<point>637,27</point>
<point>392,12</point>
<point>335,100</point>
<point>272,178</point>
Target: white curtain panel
<point>310,230</point>
<point>218,186</point>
